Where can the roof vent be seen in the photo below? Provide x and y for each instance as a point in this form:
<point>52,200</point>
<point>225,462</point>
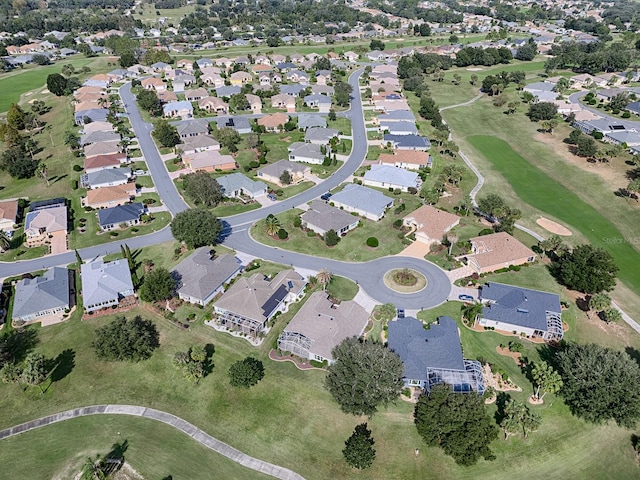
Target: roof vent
<point>523,310</point>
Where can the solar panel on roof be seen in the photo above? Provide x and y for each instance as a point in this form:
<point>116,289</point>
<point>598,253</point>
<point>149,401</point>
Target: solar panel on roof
<point>273,301</point>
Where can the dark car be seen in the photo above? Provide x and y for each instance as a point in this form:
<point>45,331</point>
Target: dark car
<point>466,298</point>
<point>326,196</point>
<point>401,313</point>
<point>271,196</point>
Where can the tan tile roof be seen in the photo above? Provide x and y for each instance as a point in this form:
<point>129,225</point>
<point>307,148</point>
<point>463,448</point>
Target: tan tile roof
<point>9,210</point>
<point>497,249</point>
<point>404,156</point>
<point>104,160</point>
<point>432,221</point>
<point>118,193</point>
<point>273,120</point>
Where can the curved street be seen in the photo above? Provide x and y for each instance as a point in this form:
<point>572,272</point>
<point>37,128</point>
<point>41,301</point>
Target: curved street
<point>166,418</point>
<point>236,228</point>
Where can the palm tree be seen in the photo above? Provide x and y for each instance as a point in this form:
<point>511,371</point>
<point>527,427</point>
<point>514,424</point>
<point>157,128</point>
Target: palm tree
<point>452,238</point>
<point>324,278</point>
<point>42,172</point>
<point>94,469</point>
<point>599,302</point>
<point>634,187</point>
<point>471,311</point>
<point>546,379</point>
<point>271,225</point>
<point>612,315</point>
<point>5,241</point>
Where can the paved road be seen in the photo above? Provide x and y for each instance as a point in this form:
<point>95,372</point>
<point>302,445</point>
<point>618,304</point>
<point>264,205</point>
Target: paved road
<point>166,418</point>
<point>235,234</point>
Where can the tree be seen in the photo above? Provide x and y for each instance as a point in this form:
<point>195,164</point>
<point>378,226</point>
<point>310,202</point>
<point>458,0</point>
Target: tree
<point>600,383</point>
<point>149,101</point>
<point>56,84</point>
<point>453,173</point>
<point>16,117</point>
<point>526,52</point>
<point>376,44</point>
<point>324,278</point>
<point>127,59</point>
<point>246,373</point>
<point>11,373</point>
<point>365,376</point>
<point>634,187</point>
<point>587,269</point>
<point>271,225</point>
<point>5,241</point>
<point>35,370</point>
<point>332,115</point>
<point>342,93</point>
<point>228,138</point>
<point>18,163</point>
<point>546,380</point>
<point>158,285</point>
<point>471,311</point>
<point>457,423</point>
<point>542,111</point>
<point>196,228</point>
<point>166,133</point>
<point>599,302</point>
<point>331,238</point>
<point>518,418</point>
<point>358,449</point>
<point>549,125</point>
<point>42,172</point>
<point>238,102</point>
<point>202,188</point>
<point>575,136</point>
<point>612,315</point>
<point>586,146</point>
<point>286,178</point>
<point>126,339</point>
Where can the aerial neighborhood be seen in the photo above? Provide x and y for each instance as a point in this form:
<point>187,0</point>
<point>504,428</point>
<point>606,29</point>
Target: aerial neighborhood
<point>351,238</point>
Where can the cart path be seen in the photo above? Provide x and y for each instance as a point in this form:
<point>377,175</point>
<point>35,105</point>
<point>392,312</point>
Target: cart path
<point>166,418</point>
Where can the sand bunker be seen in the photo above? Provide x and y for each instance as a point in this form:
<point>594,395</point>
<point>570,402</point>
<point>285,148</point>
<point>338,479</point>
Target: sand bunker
<point>475,69</point>
<point>553,227</point>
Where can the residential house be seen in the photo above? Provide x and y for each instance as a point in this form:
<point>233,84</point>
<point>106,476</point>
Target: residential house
<point>322,90</point>
<point>630,139</point>
<point>122,215</point>
<point>181,108</point>
<point>46,296</point>
<point>212,79</point>
<point>236,185</point>
<point>251,302</point>
<point>239,124</point>
<point>306,152</point>
<point>321,102</point>
<point>105,284</point>
<point>8,214</point>
<point>107,177</point>
<point>291,89</point>
<point>385,176</point>
<point>240,78</point>
<point>409,159</point>
<point>209,161</point>
<point>228,91</point>
<point>255,103</point>
<point>433,356</point>
<point>107,197</point>
<point>201,276</point>
<point>185,64</point>
<point>495,251</point>
<point>167,96</point>
<point>95,137</point>
<point>272,172</point>
<point>296,76</point>
<point>260,69</point>
<point>154,83</point>
<point>320,136</point>
<point>306,120</point>
<point>396,116</point>
<point>351,56</point>
<point>320,325</point>
<point>196,127</point>
<point>97,127</point>
<point>522,311</point>
<point>196,94</point>
<point>430,224</point>
<point>399,128</point>
<point>407,142</point>
<point>364,201</point>
<point>200,143</point>
<point>214,105</point>
<point>322,217</point>
<point>88,116</point>
<point>204,63</point>
<point>274,122</point>
<point>44,221</point>
<point>282,100</point>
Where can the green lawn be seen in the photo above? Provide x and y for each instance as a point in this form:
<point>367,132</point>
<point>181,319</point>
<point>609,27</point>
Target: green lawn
<point>59,451</point>
<point>234,208</point>
<point>90,237</point>
<point>342,288</point>
<point>537,189</point>
<point>352,247</point>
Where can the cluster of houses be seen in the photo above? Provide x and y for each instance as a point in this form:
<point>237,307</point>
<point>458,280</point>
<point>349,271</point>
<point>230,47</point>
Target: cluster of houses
<point>606,86</point>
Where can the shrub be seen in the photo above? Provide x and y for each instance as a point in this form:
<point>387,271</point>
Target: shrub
<point>74,184</point>
<point>311,233</point>
<point>515,347</point>
<point>372,242</point>
<point>398,223</point>
<point>77,168</point>
<point>254,164</point>
<point>282,234</point>
<point>400,208</point>
<point>598,135</point>
<point>485,231</point>
<point>297,222</point>
<point>113,234</point>
<point>626,114</point>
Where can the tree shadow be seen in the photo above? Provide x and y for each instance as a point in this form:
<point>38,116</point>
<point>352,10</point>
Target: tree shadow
<point>16,344</point>
<point>168,477</point>
<point>208,363</point>
<point>115,458</point>
<point>633,174</point>
<point>583,303</point>
<point>64,364</point>
<point>633,353</point>
<point>501,401</point>
<point>548,353</point>
<point>635,441</point>
<point>57,179</point>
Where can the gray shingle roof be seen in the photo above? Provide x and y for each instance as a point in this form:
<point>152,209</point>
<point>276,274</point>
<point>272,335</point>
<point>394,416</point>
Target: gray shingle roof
<point>408,141</point>
<point>392,175</point>
<point>518,306</point>
<point>419,349</point>
<point>238,181</point>
<point>326,217</point>
<point>308,121</point>
<point>228,90</point>
<point>200,275</point>
<point>192,127</point>
<point>104,282</point>
<point>38,294</point>
<point>317,134</point>
<point>120,214</point>
<point>363,198</point>
<point>106,175</point>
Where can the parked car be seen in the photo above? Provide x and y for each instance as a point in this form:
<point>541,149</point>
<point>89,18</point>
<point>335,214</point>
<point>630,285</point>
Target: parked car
<point>326,196</point>
<point>271,196</point>
<point>401,313</point>
<point>466,298</point>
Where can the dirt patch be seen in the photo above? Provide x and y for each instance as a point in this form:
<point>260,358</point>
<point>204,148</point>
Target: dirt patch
<point>508,353</point>
<point>609,174</point>
<point>496,381</point>
<point>553,227</point>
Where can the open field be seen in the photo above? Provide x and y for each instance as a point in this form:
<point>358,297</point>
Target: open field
<point>283,419</point>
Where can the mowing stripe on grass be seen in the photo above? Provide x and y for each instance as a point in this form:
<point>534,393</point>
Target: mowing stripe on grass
<point>540,191</point>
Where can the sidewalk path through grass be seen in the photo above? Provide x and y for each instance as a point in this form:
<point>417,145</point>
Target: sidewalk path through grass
<point>167,418</point>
